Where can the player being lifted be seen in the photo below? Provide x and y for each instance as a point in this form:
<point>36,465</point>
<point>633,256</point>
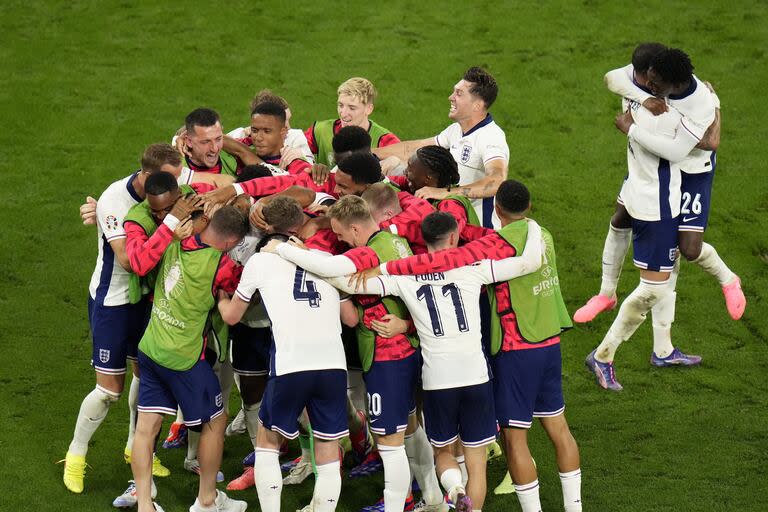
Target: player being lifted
<point>307,370</point>
<point>476,142</point>
<point>458,395</point>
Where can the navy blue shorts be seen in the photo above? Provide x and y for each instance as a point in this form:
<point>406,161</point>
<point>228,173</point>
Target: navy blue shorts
<point>465,413</point>
<point>250,350</point>
<point>527,384</point>
<point>696,197</point>
<point>322,392</point>
<point>655,244</point>
<point>391,386</point>
<point>116,332</point>
<point>195,391</point>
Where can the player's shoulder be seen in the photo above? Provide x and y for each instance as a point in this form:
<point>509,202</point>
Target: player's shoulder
<point>695,103</point>
<point>117,194</point>
<point>490,130</point>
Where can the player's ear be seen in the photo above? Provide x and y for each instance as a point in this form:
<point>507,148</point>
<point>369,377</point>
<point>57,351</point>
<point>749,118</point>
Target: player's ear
<point>369,109</point>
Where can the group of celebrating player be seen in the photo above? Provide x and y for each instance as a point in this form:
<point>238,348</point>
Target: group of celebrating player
<point>369,295</point>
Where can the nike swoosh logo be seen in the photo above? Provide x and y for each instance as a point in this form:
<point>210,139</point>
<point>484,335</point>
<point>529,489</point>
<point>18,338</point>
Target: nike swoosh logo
<point>689,219</point>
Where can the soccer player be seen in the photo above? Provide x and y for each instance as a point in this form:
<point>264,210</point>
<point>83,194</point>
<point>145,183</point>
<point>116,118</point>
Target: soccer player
<point>697,168</point>
<point>295,142</point>
<point>173,373</point>
<point>202,142</point>
<point>529,316</point>
<point>355,102</point>
<point>308,370</point>
<point>116,318</point>
<point>651,195</point>
<point>458,395</point>
<point>476,142</point>
<point>268,134</point>
<point>390,364</point>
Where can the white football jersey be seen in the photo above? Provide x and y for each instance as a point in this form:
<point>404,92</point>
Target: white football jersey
<point>186,176</point>
<point>303,310</point>
<point>446,312</point>
<point>294,139</point>
<point>697,106</point>
<point>472,151</point>
<point>651,191</point>
<point>256,315</point>
<point>109,281</point>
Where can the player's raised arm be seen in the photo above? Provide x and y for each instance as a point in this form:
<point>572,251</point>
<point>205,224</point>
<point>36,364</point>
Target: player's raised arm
<point>495,173</point>
<point>672,149</point>
<point>529,261</point>
<point>402,150</point>
<point>620,81</point>
<point>317,262</point>
<point>373,286</point>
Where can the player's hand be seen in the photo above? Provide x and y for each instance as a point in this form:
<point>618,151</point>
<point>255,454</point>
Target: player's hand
<point>392,166</point>
<point>389,326</point>
<point>288,155</point>
<point>256,217</point>
<point>359,280</point>
<point>319,173</point>
<point>624,121</point>
<point>185,229</point>
<point>219,195</point>
<point>656,106</point>
<point>88,211</point>
<point>181,141</point>
<point>185,206</point>
<point>432,193</point>
<point>296,242</point>
<point>317,209</point>
<point>271,246</point>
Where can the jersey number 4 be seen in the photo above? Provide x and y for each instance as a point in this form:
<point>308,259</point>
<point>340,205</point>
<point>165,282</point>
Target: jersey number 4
<point>305,290</point>
<point>427,294</point>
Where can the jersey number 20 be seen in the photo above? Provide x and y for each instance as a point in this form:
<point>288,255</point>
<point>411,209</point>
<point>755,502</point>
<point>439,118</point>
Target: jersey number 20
<point>427,294</point>
<point>305,290</point>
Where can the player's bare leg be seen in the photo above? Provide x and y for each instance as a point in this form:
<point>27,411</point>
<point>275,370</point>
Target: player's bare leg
<point>521,468</point>
<point>693,248</point>
<point>568,463</point>
<point>614,251</point>
<point>147,427</point>
<point>450,476</point>
<point>209,454</point>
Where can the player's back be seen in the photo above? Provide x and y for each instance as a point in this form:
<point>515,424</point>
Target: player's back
<point>697,106</point>
<point>446,312</point>
<point>304,312</point>
<point>652,189</point>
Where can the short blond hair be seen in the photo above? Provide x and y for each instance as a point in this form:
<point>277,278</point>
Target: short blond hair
<point>350,209</point>
<point>158,155</point>
<point>283,213</point>
<point>381,196</point>
<point>360,88</point>
<point>266,95</point>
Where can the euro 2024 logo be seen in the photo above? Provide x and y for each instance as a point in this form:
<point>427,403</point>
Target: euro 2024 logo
<point>173,281</point>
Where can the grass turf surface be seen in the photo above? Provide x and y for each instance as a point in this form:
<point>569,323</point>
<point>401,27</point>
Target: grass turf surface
<point>89,84</point>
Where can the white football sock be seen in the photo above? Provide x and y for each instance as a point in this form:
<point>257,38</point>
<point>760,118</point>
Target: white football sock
<point>463,469</point>
<point>571,483</point>
<point>133,402</point>
<point>251,413</point>
<point>663,314</point>
<point>710,261</point>
<point>422,462</point>
<point>614,252</point>
<point>269,479</point>
<point>631,314</point>
<point>193,443</point>
<point>528,494</point>
<point>451,482</point>
<point>396,477</point>
<point>92,412</point>
<point>327,487</point>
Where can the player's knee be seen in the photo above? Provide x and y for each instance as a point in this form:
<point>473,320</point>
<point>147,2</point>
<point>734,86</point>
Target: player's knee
<point>690,248</point>
<point>621,219</point>
<point>107,396</point>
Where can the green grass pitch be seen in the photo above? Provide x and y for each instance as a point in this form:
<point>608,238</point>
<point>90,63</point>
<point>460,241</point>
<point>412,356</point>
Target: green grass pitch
<point>87,85</point>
